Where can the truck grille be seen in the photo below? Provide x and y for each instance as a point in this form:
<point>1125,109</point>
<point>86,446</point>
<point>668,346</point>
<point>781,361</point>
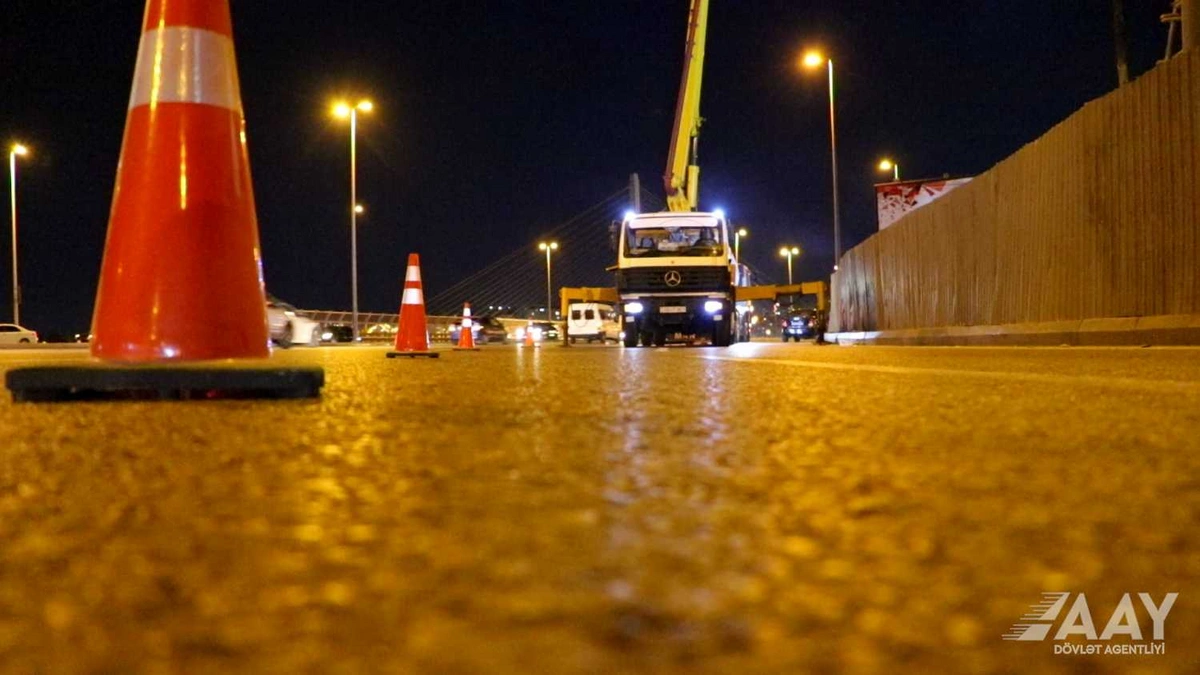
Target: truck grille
<point>691,279</point>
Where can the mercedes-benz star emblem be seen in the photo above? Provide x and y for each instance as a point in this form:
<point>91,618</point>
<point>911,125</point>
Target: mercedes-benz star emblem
<point>673,278</point>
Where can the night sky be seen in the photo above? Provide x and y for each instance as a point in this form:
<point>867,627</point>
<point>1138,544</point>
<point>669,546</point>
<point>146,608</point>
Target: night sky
<point>497,120</point>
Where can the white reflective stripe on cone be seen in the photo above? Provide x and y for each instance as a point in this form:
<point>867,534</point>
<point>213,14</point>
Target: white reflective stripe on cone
<point>413,274</point>
<point>467,323</point>
<point>413,296</point>
<point>185,65</point>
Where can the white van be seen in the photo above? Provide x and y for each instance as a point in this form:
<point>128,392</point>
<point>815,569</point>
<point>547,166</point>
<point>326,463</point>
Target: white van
<point>592,321</point>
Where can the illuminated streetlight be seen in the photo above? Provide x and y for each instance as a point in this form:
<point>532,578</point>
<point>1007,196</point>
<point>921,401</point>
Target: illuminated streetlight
<point>16,151</point>
<point>343,110</point>
<point>737,243</point>
<point>358,209</point>
<point>789,252</point>
<point>548,247</point>
<point>889,165</point>
<point>813,60</point>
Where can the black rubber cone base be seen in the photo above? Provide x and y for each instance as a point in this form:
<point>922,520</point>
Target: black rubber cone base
<point>466,349</point>
<point>412,355</point>
<point>107,382</point>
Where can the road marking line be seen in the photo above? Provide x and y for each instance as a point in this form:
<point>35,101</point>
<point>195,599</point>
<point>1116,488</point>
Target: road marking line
<point>1007,376</point>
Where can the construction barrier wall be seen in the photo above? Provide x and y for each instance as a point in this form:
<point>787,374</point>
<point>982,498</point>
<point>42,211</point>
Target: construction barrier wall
<point>1099,218</point>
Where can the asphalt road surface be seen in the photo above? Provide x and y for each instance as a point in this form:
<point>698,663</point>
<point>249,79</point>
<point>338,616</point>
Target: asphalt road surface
<point>762,509</point>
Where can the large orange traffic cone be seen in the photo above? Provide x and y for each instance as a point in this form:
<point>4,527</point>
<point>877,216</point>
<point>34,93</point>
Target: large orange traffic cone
<point>529,342</point>
<point>412,337</point>
<point>181,278</point>
<point>466,340</point>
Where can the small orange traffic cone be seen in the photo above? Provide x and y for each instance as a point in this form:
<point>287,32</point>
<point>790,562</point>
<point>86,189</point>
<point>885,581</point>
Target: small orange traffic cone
<point>466,340</point>
<point>529,335</point>
<point>181,279</point>
<point>412,337</point>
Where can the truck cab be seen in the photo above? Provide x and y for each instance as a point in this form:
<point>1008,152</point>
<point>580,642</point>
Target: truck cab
<point>675,278</point>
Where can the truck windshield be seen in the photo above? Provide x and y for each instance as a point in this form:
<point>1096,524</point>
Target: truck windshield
<point>673,241</point>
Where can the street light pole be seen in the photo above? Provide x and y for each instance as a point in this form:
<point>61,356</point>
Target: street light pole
<point>837,218</point>
<point>737,244</point>
<point>789,252</point>
<point>813,60</point>
<point>354,219</point>
<point>17,150</point>
<point>344,111</point>
<point>548,248</point>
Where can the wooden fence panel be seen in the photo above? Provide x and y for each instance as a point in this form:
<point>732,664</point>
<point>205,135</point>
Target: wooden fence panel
<point>1100,217</point>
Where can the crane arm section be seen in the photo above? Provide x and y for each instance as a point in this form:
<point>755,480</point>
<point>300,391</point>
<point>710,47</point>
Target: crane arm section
<point>682,180</point>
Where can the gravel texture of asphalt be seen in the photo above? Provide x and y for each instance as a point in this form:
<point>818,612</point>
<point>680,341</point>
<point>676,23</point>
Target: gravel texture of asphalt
<point>766,508</point>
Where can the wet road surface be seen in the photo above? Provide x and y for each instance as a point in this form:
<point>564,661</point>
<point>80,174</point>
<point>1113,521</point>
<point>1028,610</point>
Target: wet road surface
<point>766,508</point>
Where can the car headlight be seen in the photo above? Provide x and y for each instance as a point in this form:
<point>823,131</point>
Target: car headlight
<point>633,308</point>
<point>713,306</point>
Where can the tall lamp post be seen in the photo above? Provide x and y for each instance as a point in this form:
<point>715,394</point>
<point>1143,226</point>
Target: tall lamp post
<point>16,151</point>
<point>737,243</point>
<point>814,60</point>
<point>888,165</point>
<point>343,110</point>
<point>789,252</point>
<point>548,247</point>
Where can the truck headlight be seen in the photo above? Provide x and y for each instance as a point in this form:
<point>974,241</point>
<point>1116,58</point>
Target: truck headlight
<point>713,306</point>
<point>633,308</point>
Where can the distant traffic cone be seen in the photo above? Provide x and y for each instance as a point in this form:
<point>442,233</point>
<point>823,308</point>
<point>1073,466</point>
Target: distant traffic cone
<point>181,278</point>
<point>529,335</point>
<point>466,340</point>
<point>412,337</point>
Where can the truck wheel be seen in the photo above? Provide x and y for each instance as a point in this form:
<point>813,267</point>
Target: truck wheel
<point>722,334</point>
<point>660,337</point>
<point>631,337</point>
<point>785,337</point>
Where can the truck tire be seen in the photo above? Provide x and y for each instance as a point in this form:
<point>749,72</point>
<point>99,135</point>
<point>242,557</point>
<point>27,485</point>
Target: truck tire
<point>722,333</point>
<point>660,337</point>
<point>631,337</point>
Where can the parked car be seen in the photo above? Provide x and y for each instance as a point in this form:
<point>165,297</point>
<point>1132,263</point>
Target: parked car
<point>543,331</point>
<point>338,332</point>
<point>376,332</point>
<point>12,334</point>
<point>288,327</point>
<point>592,321</point>
<point>485,329</point>
<point>800,324</point>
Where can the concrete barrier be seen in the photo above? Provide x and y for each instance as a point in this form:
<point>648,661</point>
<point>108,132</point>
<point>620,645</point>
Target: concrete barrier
<point>1174,330</point>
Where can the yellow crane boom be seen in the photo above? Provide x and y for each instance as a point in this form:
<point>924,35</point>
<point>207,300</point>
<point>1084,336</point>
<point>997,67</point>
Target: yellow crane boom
<point>682,180</point>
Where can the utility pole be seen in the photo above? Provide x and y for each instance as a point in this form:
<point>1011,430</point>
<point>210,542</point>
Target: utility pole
<point>635,192</point>
<point>1121,40</point>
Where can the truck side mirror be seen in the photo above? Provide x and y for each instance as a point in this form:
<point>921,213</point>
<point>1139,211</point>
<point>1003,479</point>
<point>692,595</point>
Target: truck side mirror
<point>614,234</point>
